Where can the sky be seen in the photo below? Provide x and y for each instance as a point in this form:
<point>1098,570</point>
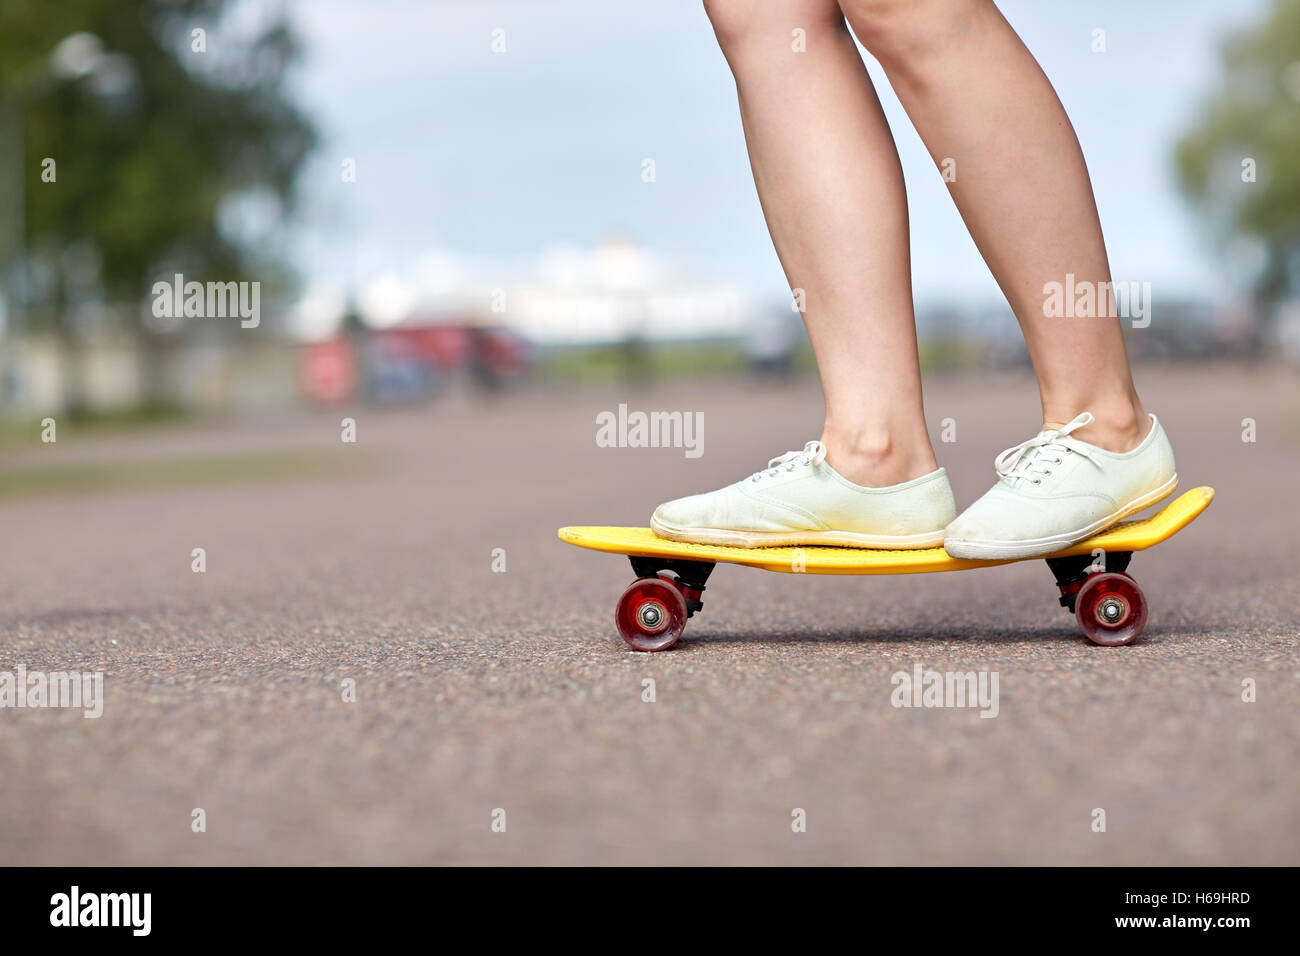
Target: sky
<point>491,163</point>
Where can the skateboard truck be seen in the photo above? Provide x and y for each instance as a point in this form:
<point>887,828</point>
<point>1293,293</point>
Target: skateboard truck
<point>1071,572</point>
<point>690,577</point>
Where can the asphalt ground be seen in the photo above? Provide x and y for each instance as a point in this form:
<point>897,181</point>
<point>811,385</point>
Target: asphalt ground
<point>480,690</point>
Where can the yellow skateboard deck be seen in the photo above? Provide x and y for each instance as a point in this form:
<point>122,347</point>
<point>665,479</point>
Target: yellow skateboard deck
<point>1091,575</point>
<point>642,542</point>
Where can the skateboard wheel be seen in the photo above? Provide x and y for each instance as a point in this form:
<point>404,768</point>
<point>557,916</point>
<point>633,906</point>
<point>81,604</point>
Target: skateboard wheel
<point>651,614</point>
<point>1111,609</point>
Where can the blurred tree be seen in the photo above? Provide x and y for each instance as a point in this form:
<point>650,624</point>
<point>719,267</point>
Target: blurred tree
<point>1241,163</point>
<point>171,132</point>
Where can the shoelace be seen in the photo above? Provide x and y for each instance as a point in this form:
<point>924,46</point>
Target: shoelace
<point>813,453</point>
<point>1031,460</point>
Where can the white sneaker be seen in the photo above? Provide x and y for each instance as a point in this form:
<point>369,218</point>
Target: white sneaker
<point>1054,490</point>
<point>800,500</point>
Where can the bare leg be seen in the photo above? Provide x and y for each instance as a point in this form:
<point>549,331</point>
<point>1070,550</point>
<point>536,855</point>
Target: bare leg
<point>832,191</point>
<point>976,95</point>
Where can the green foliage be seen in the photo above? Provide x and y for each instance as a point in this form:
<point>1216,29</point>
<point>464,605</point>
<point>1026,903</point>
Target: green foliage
<point>180,472</point>
<point>658,362</point>
<point>142,174</point>
<point>1254,115</point>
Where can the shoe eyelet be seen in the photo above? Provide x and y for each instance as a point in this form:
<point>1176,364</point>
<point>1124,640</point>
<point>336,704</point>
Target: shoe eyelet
<point>1037,481</point>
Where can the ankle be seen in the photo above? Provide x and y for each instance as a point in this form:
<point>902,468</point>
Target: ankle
<point>877,459</point>
<point>1117,426</point>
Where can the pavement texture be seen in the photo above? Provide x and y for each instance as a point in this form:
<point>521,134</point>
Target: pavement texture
<point>481,690</point>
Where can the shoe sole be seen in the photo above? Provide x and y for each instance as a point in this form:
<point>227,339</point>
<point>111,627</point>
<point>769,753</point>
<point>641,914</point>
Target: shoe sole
<point>975,549</point>
<point>724,538</point>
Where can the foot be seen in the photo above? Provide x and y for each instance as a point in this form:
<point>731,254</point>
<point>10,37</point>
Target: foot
<point>1055,490</point>
<point>799,499</point>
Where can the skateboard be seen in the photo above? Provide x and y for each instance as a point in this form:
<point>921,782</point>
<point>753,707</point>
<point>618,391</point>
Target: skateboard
<point>1091,575</point>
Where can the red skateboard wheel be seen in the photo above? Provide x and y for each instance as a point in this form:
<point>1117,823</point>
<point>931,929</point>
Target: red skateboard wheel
<point>651,614</point>
<point>1111,609</point>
